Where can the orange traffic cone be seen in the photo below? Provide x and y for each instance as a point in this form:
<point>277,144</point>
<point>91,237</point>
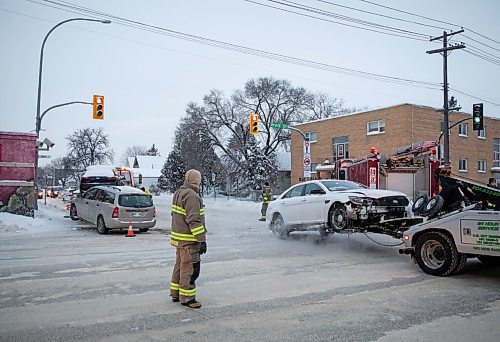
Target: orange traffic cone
<point>130,232</point>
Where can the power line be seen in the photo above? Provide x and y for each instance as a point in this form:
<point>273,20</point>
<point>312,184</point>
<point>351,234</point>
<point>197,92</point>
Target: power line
<point>431,19</point>
<point>479,54</point>
<point>242,49</point>
<point>393,31</point>
<point>475,97</point>
<point>382,15</point>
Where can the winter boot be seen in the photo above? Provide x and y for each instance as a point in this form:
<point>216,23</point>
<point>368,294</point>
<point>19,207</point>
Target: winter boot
<point>193,304</point>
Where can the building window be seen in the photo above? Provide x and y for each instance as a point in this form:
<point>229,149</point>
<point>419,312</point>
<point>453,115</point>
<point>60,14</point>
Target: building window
<point>313,167</point>
<point>375,127</point>
<point>340,148</point>
<point>481,166</point>
<point>496,152</point>
<point>481,134</point>
<point>311,136</point>
<point>462,165</point>
<point>463,129</point>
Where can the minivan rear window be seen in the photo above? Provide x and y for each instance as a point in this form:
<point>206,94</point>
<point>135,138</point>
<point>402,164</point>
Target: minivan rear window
<point>135,201</point>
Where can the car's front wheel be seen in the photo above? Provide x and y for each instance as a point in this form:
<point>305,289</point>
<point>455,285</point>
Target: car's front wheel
<point>278,227</point>
<point>338,217</point>
<point>143,230</point>
<point>73,214</point>
<point>101,225</point>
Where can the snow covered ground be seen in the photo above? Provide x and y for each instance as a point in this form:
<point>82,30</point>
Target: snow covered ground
<point>62,281</point>
<point>53,216</point>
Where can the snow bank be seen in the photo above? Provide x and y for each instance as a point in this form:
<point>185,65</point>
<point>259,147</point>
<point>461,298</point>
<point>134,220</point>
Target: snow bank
<point>47,218</point>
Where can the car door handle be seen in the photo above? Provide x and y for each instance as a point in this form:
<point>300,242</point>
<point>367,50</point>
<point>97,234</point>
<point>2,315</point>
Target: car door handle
<point>303,200</point>
<point>86,202</point>
<point>97,205</point>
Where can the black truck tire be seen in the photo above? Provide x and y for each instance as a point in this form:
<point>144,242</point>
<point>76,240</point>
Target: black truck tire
<point>462,260</point>
<point>436,254</point>
<point>419,204</point>
<point>433,206</point>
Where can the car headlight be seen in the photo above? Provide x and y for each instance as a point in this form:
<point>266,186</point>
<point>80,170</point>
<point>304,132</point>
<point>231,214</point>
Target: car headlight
<point>361,200</point>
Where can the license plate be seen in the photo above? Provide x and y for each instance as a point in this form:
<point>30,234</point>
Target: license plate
<point>138,214</point>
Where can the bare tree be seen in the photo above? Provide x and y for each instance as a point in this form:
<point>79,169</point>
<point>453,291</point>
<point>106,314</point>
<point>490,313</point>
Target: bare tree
<point>222,124</point>
<point>61,171</point>
<point>132,152</point>
<point>89,146</point>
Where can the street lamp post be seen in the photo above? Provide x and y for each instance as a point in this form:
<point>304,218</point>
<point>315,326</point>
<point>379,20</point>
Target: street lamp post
<point>38,122</point>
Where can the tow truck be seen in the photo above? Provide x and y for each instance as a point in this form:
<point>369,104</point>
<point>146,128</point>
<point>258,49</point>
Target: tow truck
<point>464,223</point>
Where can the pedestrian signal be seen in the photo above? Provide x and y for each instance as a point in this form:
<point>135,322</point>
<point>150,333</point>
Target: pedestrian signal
<point>98,107</point>
<point>254,123</point>
<point>477,117</point>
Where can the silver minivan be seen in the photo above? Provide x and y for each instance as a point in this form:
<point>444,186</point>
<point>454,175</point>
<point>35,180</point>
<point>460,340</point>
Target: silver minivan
<point>115,207</point>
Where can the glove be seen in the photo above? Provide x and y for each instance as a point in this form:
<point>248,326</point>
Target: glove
<point>203,247</point>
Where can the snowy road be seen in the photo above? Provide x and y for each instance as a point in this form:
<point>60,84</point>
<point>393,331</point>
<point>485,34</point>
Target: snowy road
<point>61,281</point>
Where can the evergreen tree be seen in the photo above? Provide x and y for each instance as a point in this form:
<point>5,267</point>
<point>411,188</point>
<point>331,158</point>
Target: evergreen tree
<point>259,168</point>
<point>172,173</point>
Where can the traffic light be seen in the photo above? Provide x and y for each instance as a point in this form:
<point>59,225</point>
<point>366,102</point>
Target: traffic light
<point>254,123</point>
<point>477,116</point>
<point>98,107</point>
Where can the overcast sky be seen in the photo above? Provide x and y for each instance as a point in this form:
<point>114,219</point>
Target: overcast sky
<point>148,78</point>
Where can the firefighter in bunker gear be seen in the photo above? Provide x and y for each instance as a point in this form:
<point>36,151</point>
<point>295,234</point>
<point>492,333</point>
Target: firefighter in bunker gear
<point>188,236</point>
<point>266,198</point>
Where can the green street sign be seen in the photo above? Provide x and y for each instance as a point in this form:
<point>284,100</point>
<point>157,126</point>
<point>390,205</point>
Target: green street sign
<point>279,125</point>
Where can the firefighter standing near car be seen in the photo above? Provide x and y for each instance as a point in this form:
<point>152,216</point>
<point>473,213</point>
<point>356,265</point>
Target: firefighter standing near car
<point>266,198</point>
<point>188,236</point>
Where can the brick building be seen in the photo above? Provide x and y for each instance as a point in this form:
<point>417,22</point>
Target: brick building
<point>473,154</point>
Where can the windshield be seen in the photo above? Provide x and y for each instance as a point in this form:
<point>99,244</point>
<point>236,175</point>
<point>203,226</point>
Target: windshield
<point>341,185</point>
<point>135,201</point>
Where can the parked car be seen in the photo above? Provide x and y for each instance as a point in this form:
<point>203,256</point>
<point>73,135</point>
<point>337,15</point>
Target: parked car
<point>53,191</point>
<point>114,207</point>
<point>337,205</point>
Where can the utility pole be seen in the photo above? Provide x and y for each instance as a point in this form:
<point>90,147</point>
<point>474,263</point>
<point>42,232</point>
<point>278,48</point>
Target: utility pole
<point>444,53</point>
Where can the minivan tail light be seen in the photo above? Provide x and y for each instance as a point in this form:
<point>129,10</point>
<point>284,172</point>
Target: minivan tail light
<point>115,213</point>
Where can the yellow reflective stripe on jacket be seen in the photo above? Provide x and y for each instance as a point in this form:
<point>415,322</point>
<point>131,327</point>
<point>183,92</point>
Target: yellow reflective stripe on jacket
<point>182,237</point>
<point>202,211</point>
<point>198,230</point>
<point>178,210</point>
<point>187,293</point>
<point>174,286</point>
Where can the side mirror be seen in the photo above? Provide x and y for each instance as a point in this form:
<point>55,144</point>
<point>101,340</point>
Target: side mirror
<point>318,192</point>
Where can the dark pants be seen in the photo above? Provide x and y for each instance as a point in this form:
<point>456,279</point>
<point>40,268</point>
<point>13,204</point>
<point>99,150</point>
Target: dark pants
<point>263,210</point>
<point>186,271</point>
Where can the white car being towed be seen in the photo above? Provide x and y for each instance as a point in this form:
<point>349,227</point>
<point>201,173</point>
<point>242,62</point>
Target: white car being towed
<point>339,206</point>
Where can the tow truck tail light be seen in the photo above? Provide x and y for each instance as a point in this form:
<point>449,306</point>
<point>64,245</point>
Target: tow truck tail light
<point>115,213</point>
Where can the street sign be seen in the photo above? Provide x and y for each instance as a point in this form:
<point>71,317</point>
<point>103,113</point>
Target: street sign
<point>307,147</point>
<point>278,125</point>
<point>307,161</point>
<point>307,171</point>
<point>44,156</point>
